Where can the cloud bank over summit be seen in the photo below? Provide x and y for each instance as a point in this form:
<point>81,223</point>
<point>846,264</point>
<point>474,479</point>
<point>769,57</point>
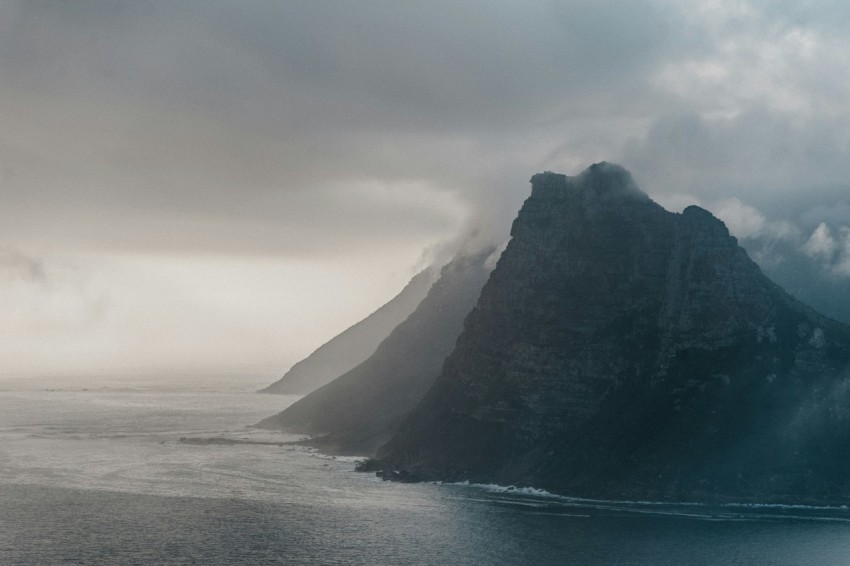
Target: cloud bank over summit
<point>293,134</point>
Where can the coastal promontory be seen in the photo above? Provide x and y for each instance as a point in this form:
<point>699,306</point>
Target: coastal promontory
<point>622,351</point>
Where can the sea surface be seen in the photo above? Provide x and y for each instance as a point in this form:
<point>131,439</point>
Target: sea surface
<point>120,470</point>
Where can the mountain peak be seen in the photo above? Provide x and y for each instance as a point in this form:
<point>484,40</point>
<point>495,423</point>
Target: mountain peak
<point>620,350</point>
<point>601,181</point>
<point>604,177</point>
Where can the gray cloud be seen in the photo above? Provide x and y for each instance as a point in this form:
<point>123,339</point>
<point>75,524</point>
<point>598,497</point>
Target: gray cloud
<point>15,265</point>
<point>263,111</point>
<point>831,248</point>
<point>758,154</point>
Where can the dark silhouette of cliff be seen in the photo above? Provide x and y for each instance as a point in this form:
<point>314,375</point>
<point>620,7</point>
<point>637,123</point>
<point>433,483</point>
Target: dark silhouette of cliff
<point>353,346</point>
<point>622,351</point>
<point>360,410</point>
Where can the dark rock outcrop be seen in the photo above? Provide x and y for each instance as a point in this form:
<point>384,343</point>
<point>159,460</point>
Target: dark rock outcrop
<point>622,351</point>
<point>353,346</point>
<point>360,410</point>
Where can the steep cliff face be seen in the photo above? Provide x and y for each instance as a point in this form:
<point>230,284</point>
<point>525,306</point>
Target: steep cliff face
<point>622,351</point>
<point>360,410</point>
<point>353,346</point>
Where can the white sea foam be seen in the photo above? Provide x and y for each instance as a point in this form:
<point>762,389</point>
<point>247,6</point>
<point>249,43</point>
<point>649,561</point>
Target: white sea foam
<point>316,453</point>
<point>678,508</point>
<point>788,506</point>
<point>495,488</point>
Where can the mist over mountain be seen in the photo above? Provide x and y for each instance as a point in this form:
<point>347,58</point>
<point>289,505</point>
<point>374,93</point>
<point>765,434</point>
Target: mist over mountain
<point>619,350</point>
<point>354,345</point>
<point>361,409</point>
<point>803,275</point>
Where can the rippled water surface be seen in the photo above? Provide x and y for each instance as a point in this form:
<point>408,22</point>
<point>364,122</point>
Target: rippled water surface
<point>94,472</point>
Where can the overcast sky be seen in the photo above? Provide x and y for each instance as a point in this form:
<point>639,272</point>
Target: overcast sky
<point>203,185</point>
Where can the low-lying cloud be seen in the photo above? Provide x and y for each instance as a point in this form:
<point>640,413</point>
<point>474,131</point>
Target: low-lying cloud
<point>831,248</point>
<point>15,265</point>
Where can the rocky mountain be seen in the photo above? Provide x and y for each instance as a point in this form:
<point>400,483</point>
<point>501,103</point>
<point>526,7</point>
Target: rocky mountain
<point>360,410</point>
<point>622,351</point>
<point>353,346</point>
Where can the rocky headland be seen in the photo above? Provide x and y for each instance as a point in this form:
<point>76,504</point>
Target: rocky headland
<point>622,351</point>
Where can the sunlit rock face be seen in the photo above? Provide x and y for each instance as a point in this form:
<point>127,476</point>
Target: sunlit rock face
<point>619,350</point>
<point>360,410</point>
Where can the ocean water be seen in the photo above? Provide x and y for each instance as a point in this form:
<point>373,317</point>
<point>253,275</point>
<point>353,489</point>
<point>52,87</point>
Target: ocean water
<point>94,471</point>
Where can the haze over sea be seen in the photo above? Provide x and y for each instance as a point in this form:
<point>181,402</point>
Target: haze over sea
<point>93,471</point>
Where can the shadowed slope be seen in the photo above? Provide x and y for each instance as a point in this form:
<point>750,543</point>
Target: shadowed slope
<point>360,410</point>
<point>354,345</point>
